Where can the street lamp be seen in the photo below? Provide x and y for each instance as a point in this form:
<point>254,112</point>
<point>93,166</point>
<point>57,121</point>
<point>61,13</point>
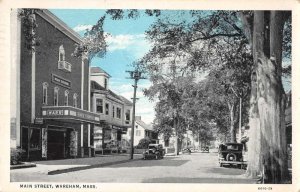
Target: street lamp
<point>136,75</point>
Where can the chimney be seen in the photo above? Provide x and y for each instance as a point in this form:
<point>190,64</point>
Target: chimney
<point>138,118</point>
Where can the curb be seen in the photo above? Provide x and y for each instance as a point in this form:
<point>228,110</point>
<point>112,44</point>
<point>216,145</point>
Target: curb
<point>24,165</point>
<point>72,169</point>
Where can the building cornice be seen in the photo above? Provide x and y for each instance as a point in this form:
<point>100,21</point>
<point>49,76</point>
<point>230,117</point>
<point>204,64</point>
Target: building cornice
<point>59,24</point>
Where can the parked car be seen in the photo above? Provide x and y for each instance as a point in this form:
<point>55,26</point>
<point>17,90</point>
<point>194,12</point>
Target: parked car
<point>186,150</point>
<point>155,151</point>
<point>232,154</point>
<point>205,149</point>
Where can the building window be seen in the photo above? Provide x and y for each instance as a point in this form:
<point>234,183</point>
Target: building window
<point>55,101</point>
<point>75,96</point>
<point>118,112</point>
<point>106,108</point>
<point>138,133</point>
<point>167,143</point>
<point>105,83</point>
<point>61,53</point>
<point>45,93</point>
<point>99,105</point>
<point>127,116</point>
<point>66,97</point>
<point>113,111</point>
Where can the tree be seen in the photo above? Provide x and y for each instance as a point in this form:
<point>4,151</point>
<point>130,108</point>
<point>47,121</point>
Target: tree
<point>267,127</point>
<point>264,33</point>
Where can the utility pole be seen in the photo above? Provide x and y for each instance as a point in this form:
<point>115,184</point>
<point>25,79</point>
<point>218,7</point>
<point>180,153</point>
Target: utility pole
<point>136,75</point>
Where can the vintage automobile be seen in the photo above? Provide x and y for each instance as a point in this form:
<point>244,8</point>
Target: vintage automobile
<point>232,154</point>
<point>187,150</point>
<point>205,149</point>
<point>155,151</point>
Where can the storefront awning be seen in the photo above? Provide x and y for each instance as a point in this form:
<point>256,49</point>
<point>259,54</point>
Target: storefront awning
<point>69,113</point>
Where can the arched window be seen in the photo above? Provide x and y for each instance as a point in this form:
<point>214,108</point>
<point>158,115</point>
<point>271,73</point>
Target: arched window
<point>66,97</point>
<point>61,53</point>
<point>55,100</point>
<point>45,93</point>
<point>75,96</point>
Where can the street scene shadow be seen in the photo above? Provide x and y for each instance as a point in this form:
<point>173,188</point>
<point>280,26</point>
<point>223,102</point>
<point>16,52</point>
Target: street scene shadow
<point>225,171</point>
<point>198,180</point>
<point>152,163</point>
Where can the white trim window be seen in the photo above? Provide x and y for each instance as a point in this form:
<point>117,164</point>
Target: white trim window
<point>45,93</point>
<point>106,108</point>
<point>105,83</point>
<point>66,97</point>
<point>118,113</point>
<point>61,56</point>
<point>113,111</point>
<point>99,105</point>
<point>75,96</point>
<point>55,98</point>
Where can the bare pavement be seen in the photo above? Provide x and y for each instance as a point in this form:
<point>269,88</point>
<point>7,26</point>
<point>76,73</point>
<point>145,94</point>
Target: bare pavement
<point>185,168</point>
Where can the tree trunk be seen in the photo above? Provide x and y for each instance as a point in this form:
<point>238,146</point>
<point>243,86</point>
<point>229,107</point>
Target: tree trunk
<point>232,127</point>
<point>176,136</point>
<point>267,147</point>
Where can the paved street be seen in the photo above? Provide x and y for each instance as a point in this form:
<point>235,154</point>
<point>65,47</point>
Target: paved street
<point>194,168</point>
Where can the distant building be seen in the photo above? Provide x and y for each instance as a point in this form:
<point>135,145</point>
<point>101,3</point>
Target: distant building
<point>50,116</point>
<point>114,110</point>
<point>141,130</point>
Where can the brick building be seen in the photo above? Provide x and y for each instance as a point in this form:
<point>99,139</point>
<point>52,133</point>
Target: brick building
<point>51,114</point>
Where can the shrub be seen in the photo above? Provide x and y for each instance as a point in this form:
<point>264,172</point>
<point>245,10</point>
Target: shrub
<point>143,143</point>
<point>16,155</point>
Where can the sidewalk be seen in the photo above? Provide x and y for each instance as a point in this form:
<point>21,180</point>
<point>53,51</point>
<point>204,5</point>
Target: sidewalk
<point>52,167</point>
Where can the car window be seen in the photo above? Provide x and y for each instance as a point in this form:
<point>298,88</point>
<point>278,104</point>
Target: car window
<point>232,147</point>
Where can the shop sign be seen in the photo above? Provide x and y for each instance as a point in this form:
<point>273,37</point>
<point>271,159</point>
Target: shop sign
<point>38,121</point>
<point>61,81</point>
<point>55,112</point>
<point>66,112</point>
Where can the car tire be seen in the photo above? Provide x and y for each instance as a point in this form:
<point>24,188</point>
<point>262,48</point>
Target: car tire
<point>231,155</point>
<point>221,164</point>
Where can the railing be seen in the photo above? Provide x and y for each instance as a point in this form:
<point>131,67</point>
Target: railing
<point>64,65</point>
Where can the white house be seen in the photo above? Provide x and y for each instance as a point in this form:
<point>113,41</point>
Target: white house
<point>141,130</point>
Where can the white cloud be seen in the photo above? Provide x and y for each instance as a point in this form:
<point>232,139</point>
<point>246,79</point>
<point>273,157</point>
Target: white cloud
<point>80,27</point>
<point>135,45</point>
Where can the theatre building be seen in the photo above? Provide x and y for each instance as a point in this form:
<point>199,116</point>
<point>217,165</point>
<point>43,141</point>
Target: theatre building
<point>51,117</point>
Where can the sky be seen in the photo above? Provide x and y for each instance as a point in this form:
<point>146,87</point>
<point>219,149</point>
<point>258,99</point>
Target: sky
<point>126,44</point>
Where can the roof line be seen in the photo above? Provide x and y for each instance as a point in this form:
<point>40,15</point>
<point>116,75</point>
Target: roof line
<point>59,24</point>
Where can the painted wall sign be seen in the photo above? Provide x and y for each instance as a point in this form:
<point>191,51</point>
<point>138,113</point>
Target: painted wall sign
<point>61,81</point>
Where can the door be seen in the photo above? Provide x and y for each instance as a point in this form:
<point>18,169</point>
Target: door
<point>56,144</point>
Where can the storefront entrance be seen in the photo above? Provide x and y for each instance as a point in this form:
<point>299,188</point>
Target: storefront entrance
<point>56,144</point>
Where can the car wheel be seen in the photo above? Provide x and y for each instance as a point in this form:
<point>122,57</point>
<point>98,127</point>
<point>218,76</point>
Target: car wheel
<point>221,164</point>
<point>231,157</point>
<point>156,157</point>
